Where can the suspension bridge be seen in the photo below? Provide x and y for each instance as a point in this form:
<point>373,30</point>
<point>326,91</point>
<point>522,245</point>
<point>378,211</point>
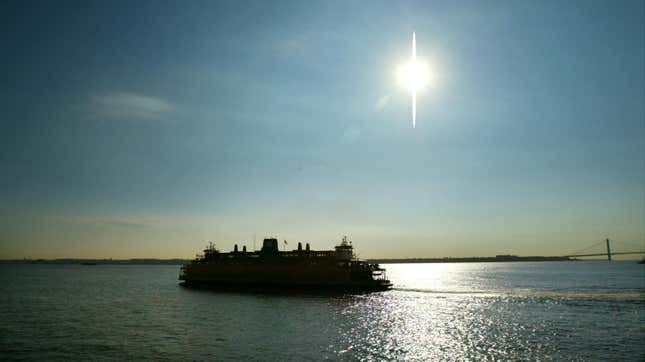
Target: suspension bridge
<point>585,252</point>
<point>606,245</point>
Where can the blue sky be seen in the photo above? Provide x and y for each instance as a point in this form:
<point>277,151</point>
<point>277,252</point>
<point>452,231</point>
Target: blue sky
<point>145,129</point>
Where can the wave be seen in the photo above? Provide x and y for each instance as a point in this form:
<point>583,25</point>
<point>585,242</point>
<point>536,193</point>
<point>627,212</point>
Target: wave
<point>527,293</point>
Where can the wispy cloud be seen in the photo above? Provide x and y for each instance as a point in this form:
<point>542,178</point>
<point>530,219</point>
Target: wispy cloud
<point>124,224</point>
<point>123,105</point>
<point>291,45</point>
<point>382,102</point>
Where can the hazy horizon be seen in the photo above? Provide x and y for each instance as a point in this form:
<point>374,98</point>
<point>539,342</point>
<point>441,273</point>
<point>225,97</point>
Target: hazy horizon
<point>147,129</point>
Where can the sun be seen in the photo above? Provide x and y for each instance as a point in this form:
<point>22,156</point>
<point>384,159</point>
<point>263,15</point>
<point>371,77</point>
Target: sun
<point>413,76</point>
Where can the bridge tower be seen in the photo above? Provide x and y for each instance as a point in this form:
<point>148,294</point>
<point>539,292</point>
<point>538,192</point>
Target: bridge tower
<point>608,251</point>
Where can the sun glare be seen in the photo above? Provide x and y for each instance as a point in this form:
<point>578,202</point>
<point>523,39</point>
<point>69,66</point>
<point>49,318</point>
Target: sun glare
<point>413,75</point>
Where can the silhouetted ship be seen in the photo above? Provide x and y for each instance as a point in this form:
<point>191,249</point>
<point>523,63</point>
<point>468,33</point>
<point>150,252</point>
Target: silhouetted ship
<point>317,269</point>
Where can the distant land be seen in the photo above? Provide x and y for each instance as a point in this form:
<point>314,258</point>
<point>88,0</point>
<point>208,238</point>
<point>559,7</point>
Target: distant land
<point>484,259</point>
<point>152,261</point>
<point>141,261</point>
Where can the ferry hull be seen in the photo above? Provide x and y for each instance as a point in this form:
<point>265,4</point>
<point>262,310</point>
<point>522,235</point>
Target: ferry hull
<point>271,268</point>
<point>282,286</point>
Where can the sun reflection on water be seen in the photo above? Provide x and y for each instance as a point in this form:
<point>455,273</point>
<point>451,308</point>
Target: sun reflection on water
<point>413,326</point>
<point>469,312</point>
<point>514,311</point>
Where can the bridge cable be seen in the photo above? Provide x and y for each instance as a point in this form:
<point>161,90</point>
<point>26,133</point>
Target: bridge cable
<point>587,248</point>
<point>640,246</point>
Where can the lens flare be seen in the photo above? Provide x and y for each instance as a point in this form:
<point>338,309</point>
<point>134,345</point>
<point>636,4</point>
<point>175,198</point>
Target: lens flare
<point>413,76</point>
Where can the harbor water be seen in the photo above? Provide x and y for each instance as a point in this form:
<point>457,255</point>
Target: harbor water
<point>586,310</point>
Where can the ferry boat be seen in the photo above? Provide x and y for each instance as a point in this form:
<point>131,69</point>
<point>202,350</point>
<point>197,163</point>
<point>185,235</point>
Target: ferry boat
<point>337,269</point>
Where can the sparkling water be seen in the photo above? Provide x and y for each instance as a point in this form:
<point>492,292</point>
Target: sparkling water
<point>477,311</point>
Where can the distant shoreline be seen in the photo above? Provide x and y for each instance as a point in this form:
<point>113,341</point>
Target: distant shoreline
<point>90,262</point>
<point>485,259</point>
<point>177,261</point>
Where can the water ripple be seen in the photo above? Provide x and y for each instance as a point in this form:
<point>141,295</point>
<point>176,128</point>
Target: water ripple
<point>450,312</point>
